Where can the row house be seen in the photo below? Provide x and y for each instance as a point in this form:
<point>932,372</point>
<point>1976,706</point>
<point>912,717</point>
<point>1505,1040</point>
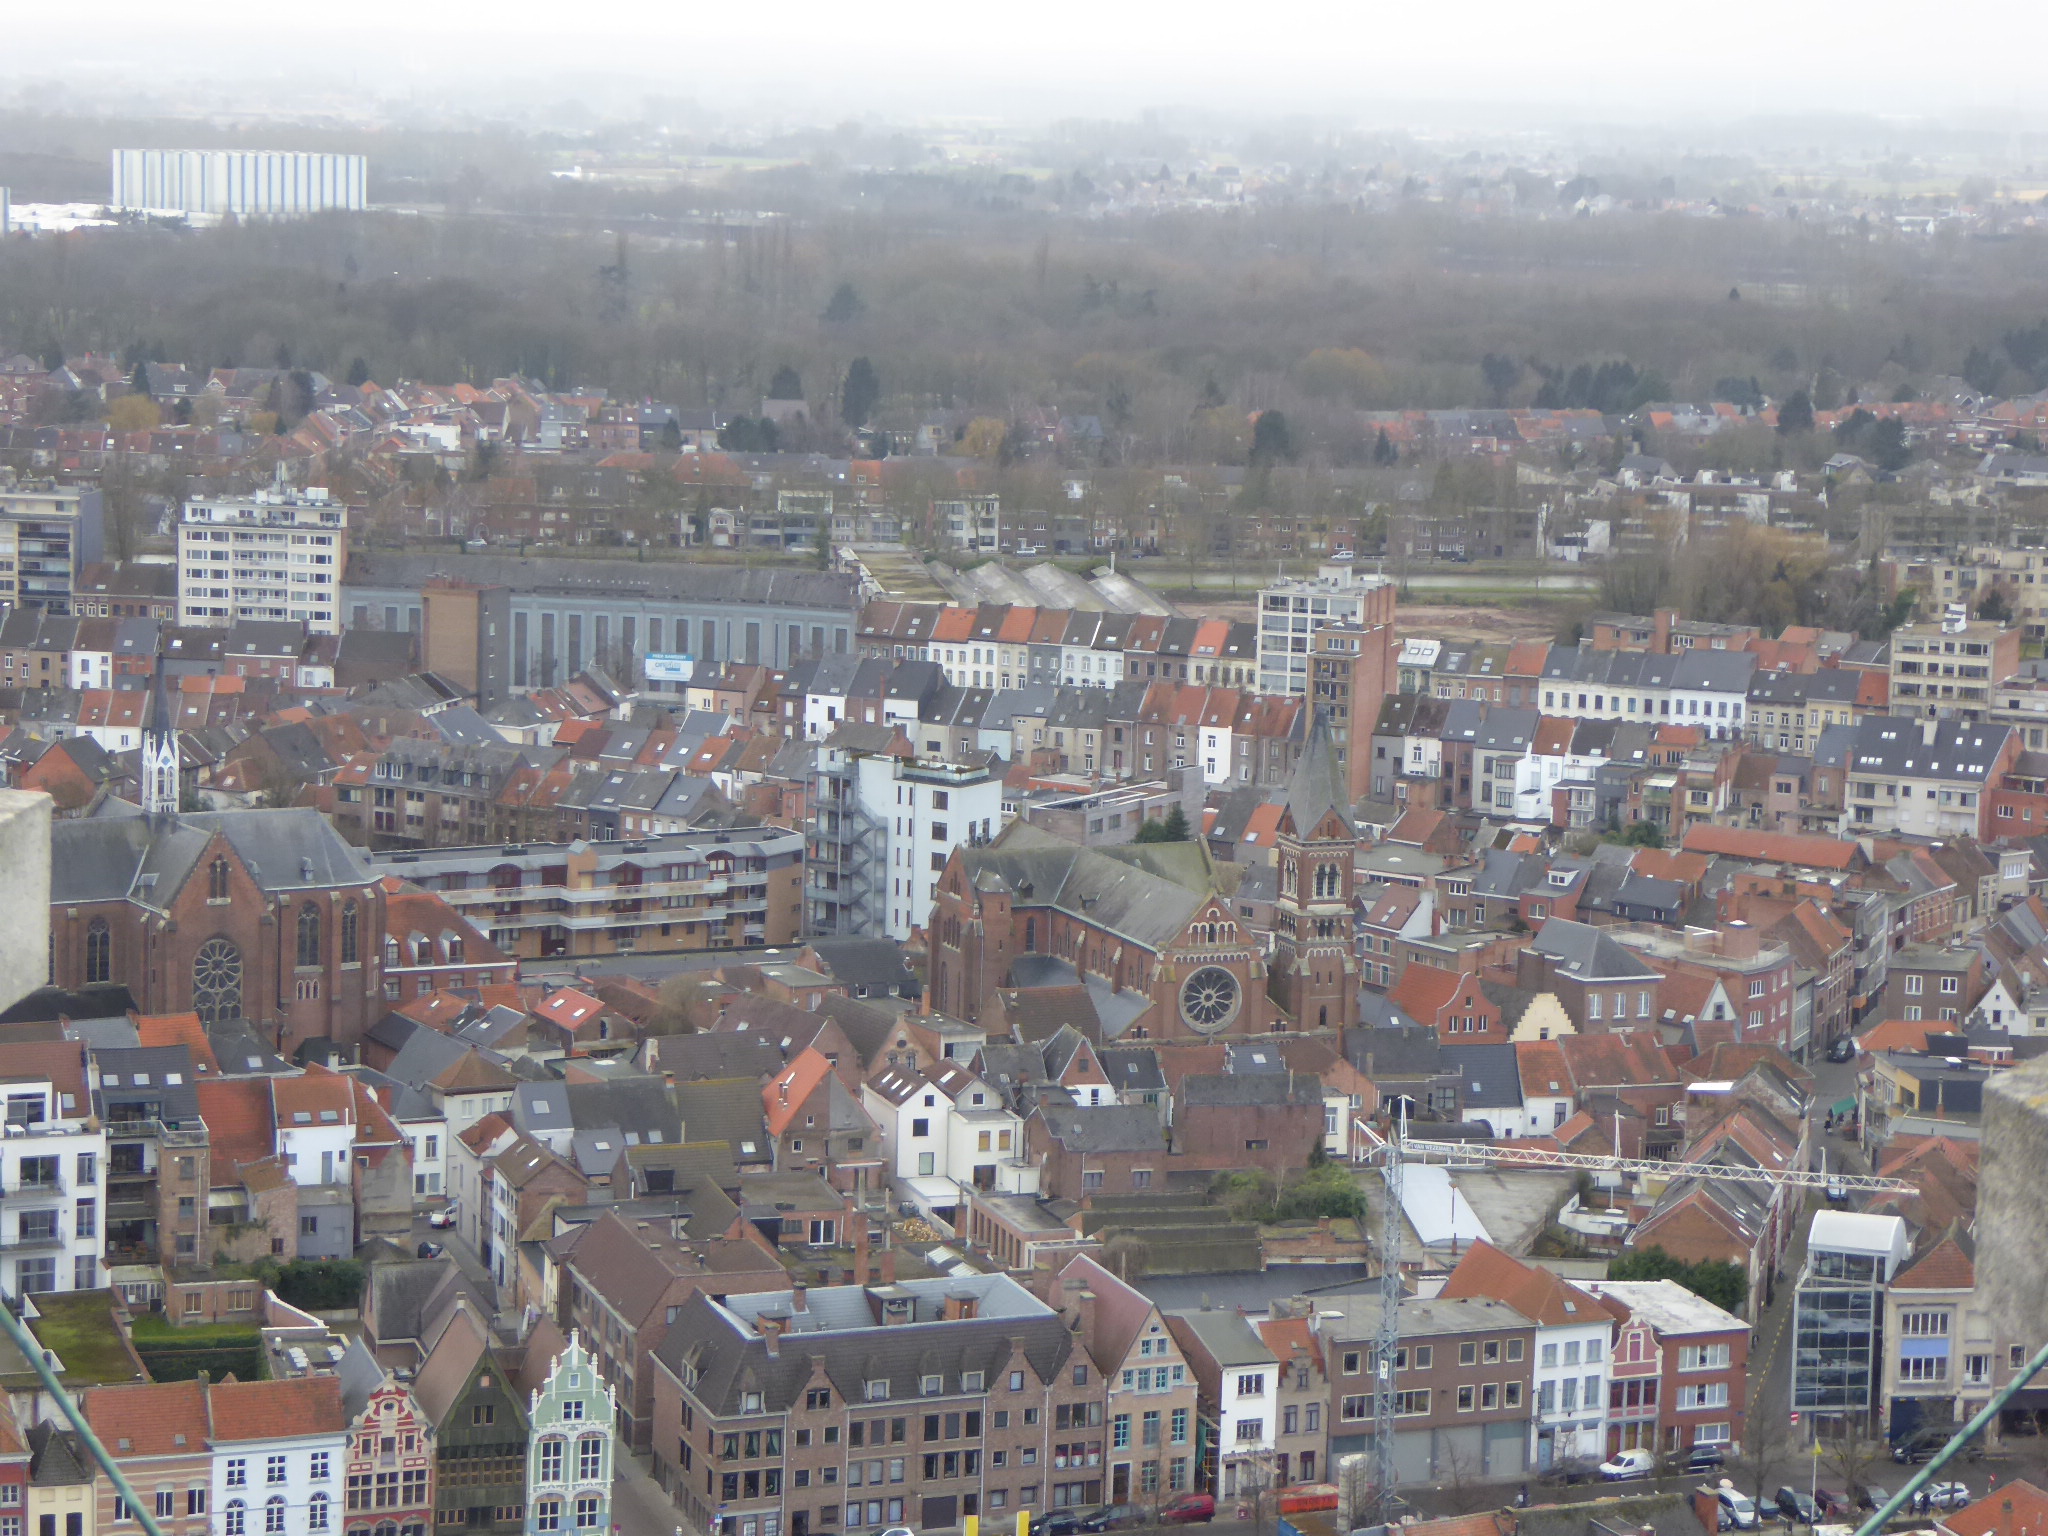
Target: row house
<point>857,1408</point>
<point>1678,1368</point>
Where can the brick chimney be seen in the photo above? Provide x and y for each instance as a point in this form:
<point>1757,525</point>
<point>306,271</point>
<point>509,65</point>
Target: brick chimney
<point>771,1325</point>
<point>1084,1313</point>
<point>860,1246</point>
<point>799,1297</point>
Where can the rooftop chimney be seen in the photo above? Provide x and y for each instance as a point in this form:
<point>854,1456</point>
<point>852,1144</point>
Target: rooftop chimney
<point>772,1325</point>
<point>799,1297</point>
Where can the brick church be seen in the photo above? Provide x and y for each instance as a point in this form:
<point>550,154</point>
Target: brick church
<point>263,915</point>
<point>1149,933</point>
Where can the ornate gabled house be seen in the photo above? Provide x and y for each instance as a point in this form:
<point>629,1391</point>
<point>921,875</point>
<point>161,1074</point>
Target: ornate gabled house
<point>388,1467</point>
<point>573,1420</point>
<point>1148,928</point>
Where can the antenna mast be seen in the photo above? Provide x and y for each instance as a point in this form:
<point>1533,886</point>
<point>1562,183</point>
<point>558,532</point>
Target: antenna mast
<point>1389,1343</point>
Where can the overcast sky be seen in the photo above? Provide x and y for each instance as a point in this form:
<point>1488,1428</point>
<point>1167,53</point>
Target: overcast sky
<point>804,59</point>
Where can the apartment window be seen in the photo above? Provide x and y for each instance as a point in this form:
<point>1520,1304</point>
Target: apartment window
<point>238,1472</point>
<point>1408,1405</point>
<point>273,1469</point>
<point>1703,1357</point>
<point>1468,1353</point>
<point>1465,1399</point>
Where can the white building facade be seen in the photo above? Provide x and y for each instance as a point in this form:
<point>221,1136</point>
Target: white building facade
<point>272,556</point>
<point>53,1166</point>
<point>218,181</point>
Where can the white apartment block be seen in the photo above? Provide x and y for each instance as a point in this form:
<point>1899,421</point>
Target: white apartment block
<point>241,182</point>
<point>53,1165</point>
<point>1291,611</point>
<point>275,555</point>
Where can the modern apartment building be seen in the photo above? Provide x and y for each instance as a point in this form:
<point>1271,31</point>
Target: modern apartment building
<point>735,889</point>
<point>48,534</point>
<point>885,824</point>
<point>1946,670</point>
<point>273,555</point>
<point>53,1165</point>
<point>1838,1313</point>
<point>241,182</point>
<point>1292,610</point>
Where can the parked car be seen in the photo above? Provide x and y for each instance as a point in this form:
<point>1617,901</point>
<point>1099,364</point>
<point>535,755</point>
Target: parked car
<point>1111,1517</point>
<point>1922,1444</point>
<point>1628,1465</point>
<point>1842,1048</point>
<point>1058,1522</point>
<point>1699,1461</point>
<point>1874,1496</point>
<point>1188,1509</point>
<point>1796,1507</point>
<point>429,1250</point>
<point>1946,1495</point>
<point>899,1530</point>
<point>1833,1506</point>
<point>444,1217</point>
<point>1738,1511</point>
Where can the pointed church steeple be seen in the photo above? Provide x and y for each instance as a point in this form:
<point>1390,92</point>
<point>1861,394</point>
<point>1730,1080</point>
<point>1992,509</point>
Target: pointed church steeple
<point>1314,974</point>
<point>1317,788</point>
<point>160,777</point>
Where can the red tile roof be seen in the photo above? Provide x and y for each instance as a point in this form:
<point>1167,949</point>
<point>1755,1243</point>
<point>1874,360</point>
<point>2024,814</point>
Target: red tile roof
<point>2017,1509</point>
<point>238,1123</point>
<point>784,1094</point>
<point>1771,847</point>
<point>269,1410</point>
<point>151,1418</point>
<point>178,1029</point>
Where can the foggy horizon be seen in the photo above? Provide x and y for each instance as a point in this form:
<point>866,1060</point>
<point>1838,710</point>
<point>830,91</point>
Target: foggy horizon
<point>1483,66</point>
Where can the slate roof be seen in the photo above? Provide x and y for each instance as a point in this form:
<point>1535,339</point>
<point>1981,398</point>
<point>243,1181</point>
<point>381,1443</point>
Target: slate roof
<point>1489,1076</point>
<point>1898,747</point>
<point>1147,893</point>
<point>130,858</point>
<point>1106,1127</point>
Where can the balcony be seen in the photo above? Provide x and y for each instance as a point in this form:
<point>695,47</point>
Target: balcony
<point>34,1242</point>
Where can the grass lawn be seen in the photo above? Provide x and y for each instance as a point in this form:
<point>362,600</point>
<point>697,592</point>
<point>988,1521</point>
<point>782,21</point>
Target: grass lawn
<point>152,1329</point>
<point>79,1326</point>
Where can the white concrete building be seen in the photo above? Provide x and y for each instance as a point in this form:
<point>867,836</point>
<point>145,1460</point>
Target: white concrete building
<point>1240,1375</point>
<point>884,829</point>
<point>241,182</point>
<point>274,555</point>
<point>1290,611</point>
<point>53,1166</point>
<point>276,1458</point>
<point>947,1125</point>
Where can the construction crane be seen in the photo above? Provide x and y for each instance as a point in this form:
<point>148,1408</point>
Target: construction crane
<point>1392,1153</point>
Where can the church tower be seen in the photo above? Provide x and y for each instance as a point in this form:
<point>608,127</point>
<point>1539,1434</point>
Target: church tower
<point>160,788</point>
<point>1314,975</point>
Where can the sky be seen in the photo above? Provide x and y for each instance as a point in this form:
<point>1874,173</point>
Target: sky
<point>1367,61</point>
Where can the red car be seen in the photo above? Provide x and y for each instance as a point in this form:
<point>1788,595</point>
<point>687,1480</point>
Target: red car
<point>1187,1509</point>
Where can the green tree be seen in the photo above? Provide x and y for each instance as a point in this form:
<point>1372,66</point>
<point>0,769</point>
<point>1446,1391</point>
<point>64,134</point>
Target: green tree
<point>1383,449</point>
<point>1795,416</point>
<point>1170,828</point>
<point>1715,1280</point>
<point>358,373</point>
<point>786,385</point>
<point>1993,607</point>
<point>857,396</point>
<point>1271,443</point>
<point>843,306</point>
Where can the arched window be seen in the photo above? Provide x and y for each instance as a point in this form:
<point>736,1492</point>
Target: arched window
<point>590,1458</point>
<point>273,1515</point>
<point>217,877</point>
<point>349,952</point>
<point>390,951</point>
<point>238,1517</point>
<point>316,1513</point>
<point>387,1528</point>
<point>455,949</point>
<point>99,951</point>
<point>309,934</point>
<point>217,981</point>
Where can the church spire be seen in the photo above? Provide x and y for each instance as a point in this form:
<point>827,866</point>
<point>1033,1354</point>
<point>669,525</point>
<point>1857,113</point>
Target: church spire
<point>160,777</point>
<point>1317,788</point>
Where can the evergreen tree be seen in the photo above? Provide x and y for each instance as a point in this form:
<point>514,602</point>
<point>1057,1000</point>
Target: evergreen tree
<point>844,305</point>
<point>857,396</point>
<point>358,373</point>
<point>786,385</point>
<point>1383,449</point>
<point>1795,416</point>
